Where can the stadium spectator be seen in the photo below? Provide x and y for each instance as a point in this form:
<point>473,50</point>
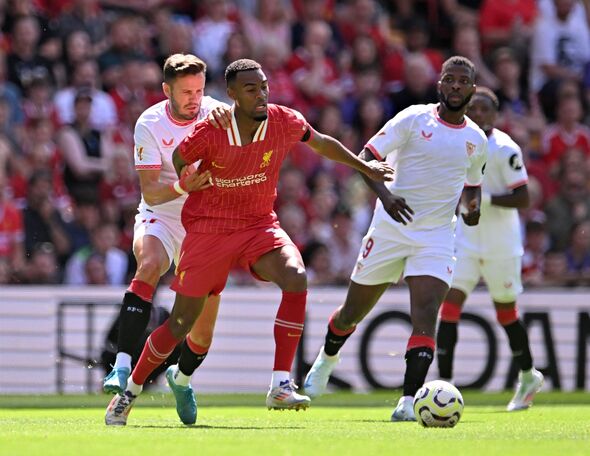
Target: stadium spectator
<point>12,234</point>
<point>103,244</point>
<point>560,49</point>
<point>318,261</point>
<point>85,156</point>
<point>42,222</point>
<point>42,266</point>
<point>578,253</point>
<point>466,42</point>
<point>569,206</point>
<point>536,245</point>
<point>103,112</point>
<point>417,87</point>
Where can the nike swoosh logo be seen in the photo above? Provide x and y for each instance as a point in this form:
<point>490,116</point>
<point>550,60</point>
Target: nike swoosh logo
<point>215,165</point>
<point>293,335</point>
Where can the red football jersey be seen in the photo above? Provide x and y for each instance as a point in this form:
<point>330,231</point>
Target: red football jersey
<point>244,177</point>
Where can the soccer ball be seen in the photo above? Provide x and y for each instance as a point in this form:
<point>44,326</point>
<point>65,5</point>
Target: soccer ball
<point>438,404</point>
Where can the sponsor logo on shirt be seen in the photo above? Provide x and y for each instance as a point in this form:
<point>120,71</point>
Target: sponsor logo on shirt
<point>243,181</point>
<point>266,159</point>
<point>470,148</point>
<point>426,136</point>
<point>168,143</point>
<point>139,150</point>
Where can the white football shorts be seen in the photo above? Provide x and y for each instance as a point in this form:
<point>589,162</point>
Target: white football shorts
<point>166,228</point>
<point>383,258</point>
<point>501,275</point>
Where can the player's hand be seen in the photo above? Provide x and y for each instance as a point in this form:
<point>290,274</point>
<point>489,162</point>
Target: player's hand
<point>194,181</point>
<point>220,117</point>
<point>471,217</point>
<point>379,171</point>
<point>397,208</point>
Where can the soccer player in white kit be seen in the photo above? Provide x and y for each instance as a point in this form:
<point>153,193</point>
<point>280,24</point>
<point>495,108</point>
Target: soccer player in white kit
<point>158,231</point>
<point>493,250</point>
<point>437,154</point>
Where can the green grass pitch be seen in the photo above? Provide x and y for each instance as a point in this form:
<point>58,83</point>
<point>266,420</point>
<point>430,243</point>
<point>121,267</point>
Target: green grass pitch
<point>338,424</point>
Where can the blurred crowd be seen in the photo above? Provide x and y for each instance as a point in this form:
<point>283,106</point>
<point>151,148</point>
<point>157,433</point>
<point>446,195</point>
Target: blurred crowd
<point>76,74</point>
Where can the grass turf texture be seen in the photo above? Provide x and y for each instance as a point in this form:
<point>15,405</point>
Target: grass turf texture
<point>338,424</point>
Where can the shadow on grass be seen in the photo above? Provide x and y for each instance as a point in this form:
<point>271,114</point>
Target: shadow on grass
<point>206,426</point>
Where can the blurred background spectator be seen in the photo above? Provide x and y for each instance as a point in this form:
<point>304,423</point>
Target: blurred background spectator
<point>75,76</point>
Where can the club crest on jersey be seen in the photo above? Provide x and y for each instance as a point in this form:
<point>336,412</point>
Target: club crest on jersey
<point>139,150</point>
<point>266,159</point>
<point>168,143</point>
<point>470,148</point>
<point>426,136</point>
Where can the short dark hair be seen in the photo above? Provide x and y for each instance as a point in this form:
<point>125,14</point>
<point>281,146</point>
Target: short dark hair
<point>458,60</point>
<point>240,65</point>
<point>488,93</point>
<point>181,65</point>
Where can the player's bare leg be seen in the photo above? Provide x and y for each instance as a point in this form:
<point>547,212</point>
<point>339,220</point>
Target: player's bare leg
<point>152,262</point>
<point>193,352</point>
<point>446,336</point>
<point>360,299</point>
<point>426,295</point>
<point>284,266</point>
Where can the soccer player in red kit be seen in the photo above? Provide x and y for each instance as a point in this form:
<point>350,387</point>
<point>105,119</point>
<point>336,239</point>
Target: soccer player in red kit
<point>233,222</point>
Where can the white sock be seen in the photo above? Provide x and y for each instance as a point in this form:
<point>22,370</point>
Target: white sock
<point>134,388</point>
<point>180,379</point>
<point>122,360</point>
<point>278,377</point>
<point>326,356</point>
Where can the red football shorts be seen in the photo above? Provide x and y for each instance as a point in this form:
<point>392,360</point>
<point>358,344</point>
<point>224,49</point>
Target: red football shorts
<point>206,259</point>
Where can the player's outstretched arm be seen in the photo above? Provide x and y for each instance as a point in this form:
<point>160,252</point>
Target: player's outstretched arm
<point>472,200</point>
<point>394,205</point>
<point>334,150</point>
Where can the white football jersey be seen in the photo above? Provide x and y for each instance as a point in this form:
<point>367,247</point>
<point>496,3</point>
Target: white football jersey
<point>156,136</point>
<point>433,161</point>
<point>498,233</point>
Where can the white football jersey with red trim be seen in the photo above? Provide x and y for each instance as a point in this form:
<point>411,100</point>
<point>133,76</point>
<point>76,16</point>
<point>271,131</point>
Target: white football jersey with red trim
<point>156,136</point>
<point>498,234</point>
<point>433,161</point>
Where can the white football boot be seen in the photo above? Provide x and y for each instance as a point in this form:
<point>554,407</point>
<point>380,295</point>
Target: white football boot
<point>284,397</point>
<point>404,410</point>
<point>525,390</point>
<point>316,381</point>
<point>119,408</point>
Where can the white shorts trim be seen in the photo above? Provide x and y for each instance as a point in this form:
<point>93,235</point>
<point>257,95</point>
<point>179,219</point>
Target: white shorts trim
<point>168,230</point>
<point>502,276</point>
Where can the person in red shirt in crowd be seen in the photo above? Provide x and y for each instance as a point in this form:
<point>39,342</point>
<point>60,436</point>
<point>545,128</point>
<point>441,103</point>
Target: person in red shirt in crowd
<point>12,233</point>
<point>506,22</point>
<point>233,222</point>
<point>567,133</point>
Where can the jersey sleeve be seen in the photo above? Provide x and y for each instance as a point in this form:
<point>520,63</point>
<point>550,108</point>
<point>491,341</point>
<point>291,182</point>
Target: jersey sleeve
<point>147,155</point>
<point>512,166</point>
<point>477,162</point>
<point>194,147</point>
<point>393,134</point>
<point>298,125</point>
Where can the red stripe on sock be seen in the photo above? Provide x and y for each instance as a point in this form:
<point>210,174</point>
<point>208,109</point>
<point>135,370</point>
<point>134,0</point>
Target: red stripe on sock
<point>155,351</point>
<point>450,311</point>
<point>507,316</point>
<point>196,348</point>
<point>335,330</point>
<point>142,289</point>
<point>420,341</point>
<point>288,328</point>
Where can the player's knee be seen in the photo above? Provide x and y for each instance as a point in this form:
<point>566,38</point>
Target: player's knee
<point>149,269</point>
<point>180,326</point>
<point>295,279</point>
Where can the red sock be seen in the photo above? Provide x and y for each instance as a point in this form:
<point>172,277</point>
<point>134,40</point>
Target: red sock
<point>288,328</point>
<point>450,312</point>
<point>142,289</point>
<point>155,351</point>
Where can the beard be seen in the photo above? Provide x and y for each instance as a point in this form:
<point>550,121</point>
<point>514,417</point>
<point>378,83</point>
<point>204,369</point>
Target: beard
<point>450,107</point>
<point>260,117</point>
